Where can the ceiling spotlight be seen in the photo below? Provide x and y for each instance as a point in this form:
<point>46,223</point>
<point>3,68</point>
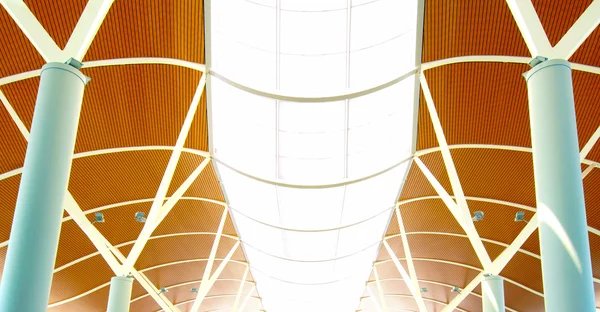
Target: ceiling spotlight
<point>194,290</point>
<point>140,217</point>
<point>99,217</point>
<point>424,289</point>
<point>163,290</point>
<point>456,289</point>
<point>520,216</point>
<point>478,216</point>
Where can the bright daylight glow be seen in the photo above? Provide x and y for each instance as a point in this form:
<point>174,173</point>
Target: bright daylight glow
<point>312,186</point>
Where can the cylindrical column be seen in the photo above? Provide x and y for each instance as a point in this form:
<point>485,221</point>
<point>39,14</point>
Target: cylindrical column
<point>492,293</point>
<point>119,294</point>
<point>31,253</point>
<point>564,245</point>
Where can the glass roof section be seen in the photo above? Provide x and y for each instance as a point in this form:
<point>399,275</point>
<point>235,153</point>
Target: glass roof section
<point>312,177</point>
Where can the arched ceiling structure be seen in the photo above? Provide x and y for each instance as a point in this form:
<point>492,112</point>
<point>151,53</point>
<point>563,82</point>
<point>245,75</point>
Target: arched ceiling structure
<point>143,145</point>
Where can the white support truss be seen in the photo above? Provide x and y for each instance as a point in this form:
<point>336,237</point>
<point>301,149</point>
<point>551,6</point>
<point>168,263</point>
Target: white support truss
<point>380,290</point>
<point>89,22</point>
<point>376,303</point>
<point>159,209</point>
<point>498,265</point>
<point>205,287</point>
<point>409,262</point>
<point>247,298</point>
<point>80,39</point>
<point>530,26</point>
<point>213,253</point>
<point>462,213</point>
<point>416,292</point>
<point>577,34</point>
<point>238,296</point>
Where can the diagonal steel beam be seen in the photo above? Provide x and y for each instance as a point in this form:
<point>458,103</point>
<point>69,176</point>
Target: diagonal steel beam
<point>380,290</point>
<point>34,31</point>
<point>376,303</point>
<point>238,297</point>
<point>205,288</point>
<point>248,296</point>
<point>410,263</point>
<point>213,252</point>
<point>89,22</point>
<point>463,209</point>
<point>407,280</point>
<point>530,26</point>
<point>153,216</point>
<point>498,265</point>
<point>578,33</point>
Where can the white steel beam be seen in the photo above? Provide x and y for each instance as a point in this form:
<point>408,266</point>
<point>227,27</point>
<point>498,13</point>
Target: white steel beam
<point>248,296</point>
<point>379,290</point>
<point>578,33</point>
<point>410,263</point>
<point>89,22</point>
<point>402,271</point>
<point>205,287</point>
<point>13,114</point>
<point>153,216</point>
<point>590,144</point>
<point>213,252</point>
<point>530,26</point>
<point>498,265</point>
<point>464,215</point>
<point>374,299</point>
<point>238,297</point>
<point>34,31</point>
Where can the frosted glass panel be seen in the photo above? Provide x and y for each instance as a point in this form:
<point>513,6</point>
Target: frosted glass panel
<point>325,34</point>
<point>311,209</point>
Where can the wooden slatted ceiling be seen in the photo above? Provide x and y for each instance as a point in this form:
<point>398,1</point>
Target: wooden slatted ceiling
<point>458,28</point>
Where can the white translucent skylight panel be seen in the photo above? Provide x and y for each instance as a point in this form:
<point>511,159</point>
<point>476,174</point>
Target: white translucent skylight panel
<point>311,245</point>
<point>381,127</point>
<point>311,209</point>
<point>311,75</point>
<point>370,197</point>
<point>363,235</point>
<point>324,34</point>
<point>244,133</point>
<point>382,63</point>
<point>291,271</point>
<point>254,199</point>
<point>243,36</point>
<point>264,238</point>
<point>380,21</point>
<point>359,264</point>
<point>313,5</point>
<point>230,56</point>
<point>311,117</point>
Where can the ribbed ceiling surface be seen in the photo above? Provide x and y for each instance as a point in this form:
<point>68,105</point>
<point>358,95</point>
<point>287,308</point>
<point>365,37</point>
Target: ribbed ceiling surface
<point>132,116</point>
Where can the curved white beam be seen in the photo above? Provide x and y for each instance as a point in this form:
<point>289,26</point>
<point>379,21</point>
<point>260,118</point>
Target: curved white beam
<point>465,266</point>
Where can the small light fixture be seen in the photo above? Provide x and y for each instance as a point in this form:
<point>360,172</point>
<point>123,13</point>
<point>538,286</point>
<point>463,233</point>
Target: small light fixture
<point>140,217</point>
<point>478,216</point>
<point>424,289</point>
<point>194,290</point>
<point>99,217</point>
<point>520,216</point>
<point>456,289</point>
<point>163,290</point>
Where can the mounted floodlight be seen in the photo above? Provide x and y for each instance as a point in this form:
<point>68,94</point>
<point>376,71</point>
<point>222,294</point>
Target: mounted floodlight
<point>424,289</point>
<point>520,216</point>
<point>478,216</point>
<point>163,290</point>
<point>140,217</point>
<point>194,290</point>
<point>99,218</point>
<point>456,289</point>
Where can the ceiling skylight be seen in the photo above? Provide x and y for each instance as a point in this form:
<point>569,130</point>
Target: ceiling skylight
<point>312,180</point>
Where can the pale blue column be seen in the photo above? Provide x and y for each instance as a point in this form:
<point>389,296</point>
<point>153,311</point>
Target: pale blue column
<point>492,293</point>
<point>35,231</point>
<point>119,294</point>
<point>564,245</point>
